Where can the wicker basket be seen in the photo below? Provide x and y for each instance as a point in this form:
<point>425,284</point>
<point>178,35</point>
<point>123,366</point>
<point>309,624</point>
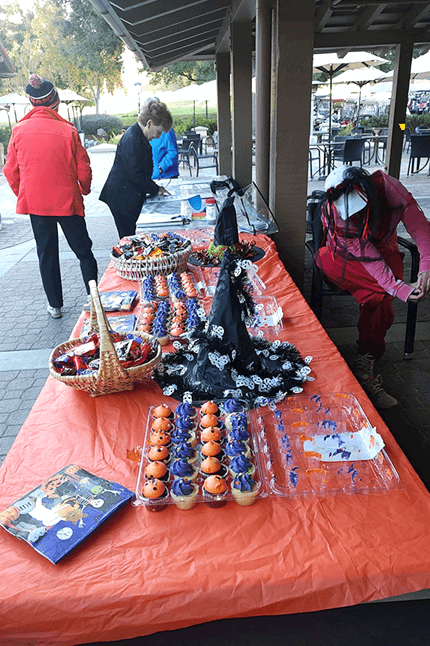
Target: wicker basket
<point>111,376</point>
<point>161,265</point>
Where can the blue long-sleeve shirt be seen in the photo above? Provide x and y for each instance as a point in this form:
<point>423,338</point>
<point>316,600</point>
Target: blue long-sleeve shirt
<point>165,155</point>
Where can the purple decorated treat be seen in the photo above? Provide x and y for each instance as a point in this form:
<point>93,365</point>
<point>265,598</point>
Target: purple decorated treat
<point>185,423</point>
<point>182,469</point>
<point>185,409</point>
<point>241,464</point>
<point>232,406</point>
<point>234,447</point>
<point>185,451</point>
<point>239,434</point>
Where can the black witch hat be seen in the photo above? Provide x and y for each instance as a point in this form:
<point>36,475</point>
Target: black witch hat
<point>226,232</point>
<point>223,360</point>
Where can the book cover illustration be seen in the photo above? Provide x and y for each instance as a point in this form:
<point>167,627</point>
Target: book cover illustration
<point>125,323</point>
<point>62,511</point>
<point>116,301</point>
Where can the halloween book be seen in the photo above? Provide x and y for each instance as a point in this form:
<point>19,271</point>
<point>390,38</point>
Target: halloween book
<point>63,511</point>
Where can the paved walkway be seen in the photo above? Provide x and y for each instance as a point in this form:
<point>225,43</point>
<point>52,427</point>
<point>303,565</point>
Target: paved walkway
<point>28,334</point>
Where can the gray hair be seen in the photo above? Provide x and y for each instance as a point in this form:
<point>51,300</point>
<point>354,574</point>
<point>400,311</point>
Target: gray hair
<point>158,113</point>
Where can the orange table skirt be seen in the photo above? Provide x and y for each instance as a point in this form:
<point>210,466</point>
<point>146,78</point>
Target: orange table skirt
<point>144,572</point>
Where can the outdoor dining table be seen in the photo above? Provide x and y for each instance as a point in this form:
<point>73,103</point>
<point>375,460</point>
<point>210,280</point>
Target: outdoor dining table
<point>143,572</point>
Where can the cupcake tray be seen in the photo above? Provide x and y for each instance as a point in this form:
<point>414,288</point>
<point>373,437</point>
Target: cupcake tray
<point>268,315</point>
<point>178,323</point>
<point>175,287</point>
<point>209,278</point>
<point>310,445</point>
<point>196,459</point>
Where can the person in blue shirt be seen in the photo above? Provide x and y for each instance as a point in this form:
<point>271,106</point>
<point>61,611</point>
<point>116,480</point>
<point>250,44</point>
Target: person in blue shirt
<point>165,156</point>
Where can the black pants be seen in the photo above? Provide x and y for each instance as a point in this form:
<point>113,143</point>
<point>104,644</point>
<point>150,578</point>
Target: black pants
<point>46,235</point>
<point>125,224</point>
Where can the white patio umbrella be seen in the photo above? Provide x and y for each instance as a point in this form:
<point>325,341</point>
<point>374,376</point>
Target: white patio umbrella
<point>12,100</point>
<point>331,63</point>
<point>360,77</point>
<point>69,96</point>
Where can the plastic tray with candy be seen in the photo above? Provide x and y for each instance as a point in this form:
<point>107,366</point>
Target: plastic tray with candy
<point>209,277</point>
<point>315,445</point>
<point>200,453</point>
<point>175,286</point>
<point>169,320</point>
<point>268,315</point>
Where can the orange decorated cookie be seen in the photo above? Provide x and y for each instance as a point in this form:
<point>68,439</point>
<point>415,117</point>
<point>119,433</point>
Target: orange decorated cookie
<point>209,408</point>
<point>162,411</point>
<point>159,438</point>
<point>161,424</point>
<point>158,453</point>
<point>156,470</point>
<point>209,420</point>
<point>153,488</point>
<point>211,448</point>
<point>211,433</point>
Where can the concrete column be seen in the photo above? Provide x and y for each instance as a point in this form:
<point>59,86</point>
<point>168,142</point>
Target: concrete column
<point>399,101</point>
<point>262,104</point>
<point>292,70</point>
<point>241,68</point>
<point>224,113</point>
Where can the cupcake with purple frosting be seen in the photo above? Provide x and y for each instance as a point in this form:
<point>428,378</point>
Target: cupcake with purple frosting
<point>241,464</point>
<point>244,489</point>
<point>185,423</point>
<point>184,493</point>
<point>236,420</point>
<point>235,447</point>
<point>185,451</point>
<point>189,437</point>
<point>239,434</point>
<point>186,410</point>
<point>180,468</point>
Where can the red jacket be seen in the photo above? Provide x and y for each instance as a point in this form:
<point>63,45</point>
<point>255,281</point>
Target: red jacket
<point>47,167</point>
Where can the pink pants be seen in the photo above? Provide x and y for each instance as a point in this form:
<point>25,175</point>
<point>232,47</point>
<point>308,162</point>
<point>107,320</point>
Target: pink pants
<point>376,312</point>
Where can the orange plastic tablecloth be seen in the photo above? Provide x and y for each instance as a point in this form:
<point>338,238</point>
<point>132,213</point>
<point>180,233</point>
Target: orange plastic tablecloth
<point>146,572</point>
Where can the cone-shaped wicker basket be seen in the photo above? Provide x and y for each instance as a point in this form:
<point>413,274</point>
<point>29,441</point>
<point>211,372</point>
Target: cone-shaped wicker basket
<point>111,376</point>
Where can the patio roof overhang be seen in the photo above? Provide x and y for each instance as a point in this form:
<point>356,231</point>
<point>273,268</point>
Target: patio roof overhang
<point>161,32</point>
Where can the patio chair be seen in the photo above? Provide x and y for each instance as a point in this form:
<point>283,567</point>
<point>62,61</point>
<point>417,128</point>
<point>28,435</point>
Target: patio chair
<point>350,151</point>
<point>420,149</point>
<point>321,285</point>
<point>407,140</point>
<point>200,160</point>
<point>187,156</point>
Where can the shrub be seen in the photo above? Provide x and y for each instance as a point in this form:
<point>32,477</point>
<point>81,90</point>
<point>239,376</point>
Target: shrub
<point>181,125</point>
<point>90,123</point>
<point>4,138</point>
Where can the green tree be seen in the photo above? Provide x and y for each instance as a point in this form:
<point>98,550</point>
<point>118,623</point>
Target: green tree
<point>17,38</point>
<point>179,75</point>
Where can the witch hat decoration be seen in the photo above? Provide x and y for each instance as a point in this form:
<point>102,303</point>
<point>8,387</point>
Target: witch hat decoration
<point>223,360</point>
<point>226,232</point>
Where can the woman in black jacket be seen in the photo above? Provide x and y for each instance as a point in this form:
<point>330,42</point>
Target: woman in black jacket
<point>129,181</point>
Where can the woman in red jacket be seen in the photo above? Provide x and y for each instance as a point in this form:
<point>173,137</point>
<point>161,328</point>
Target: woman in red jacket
<point>49,171</point>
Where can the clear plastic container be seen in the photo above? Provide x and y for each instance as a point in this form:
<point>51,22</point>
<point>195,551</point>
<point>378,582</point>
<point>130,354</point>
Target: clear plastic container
<point>291,470</point>
<point>195,459</point>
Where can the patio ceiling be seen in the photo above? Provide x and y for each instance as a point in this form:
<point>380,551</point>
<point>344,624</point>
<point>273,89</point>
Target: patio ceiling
<point>161,32</point>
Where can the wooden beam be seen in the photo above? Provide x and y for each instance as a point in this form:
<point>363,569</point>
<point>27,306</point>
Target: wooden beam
<point>262,102</point>
<point>365,39</point>
<point>399,100</point>
<point>291,106</point>
<point>241,71</point>
<point>224,113</point>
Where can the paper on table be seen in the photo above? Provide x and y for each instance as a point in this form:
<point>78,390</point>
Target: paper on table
<point>340,447</point>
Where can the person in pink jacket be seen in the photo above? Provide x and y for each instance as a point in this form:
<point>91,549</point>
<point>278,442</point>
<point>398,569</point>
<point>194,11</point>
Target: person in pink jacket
<point>356,248</point>
<point>49,171</point>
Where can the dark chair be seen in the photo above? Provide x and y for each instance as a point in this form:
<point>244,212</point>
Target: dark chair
<point>407,140</point>
<point>350,151</point>
<point>321,285</point>
<point>187,156</point>
<point>191,136</point>
<point>212,160</point>
<point>420,149</point>
<point>358,130</point>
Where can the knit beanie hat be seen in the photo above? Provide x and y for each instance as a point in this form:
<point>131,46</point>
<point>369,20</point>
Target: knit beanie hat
<point>42,92</point>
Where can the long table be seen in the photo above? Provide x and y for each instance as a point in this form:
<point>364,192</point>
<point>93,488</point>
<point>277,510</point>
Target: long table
<point>144,572</point>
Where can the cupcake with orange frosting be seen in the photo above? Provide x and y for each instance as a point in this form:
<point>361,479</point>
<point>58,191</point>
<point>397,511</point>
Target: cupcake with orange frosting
<point>163,411</point>
<point>160,438</point>
<point>212,449</point>
<point>212,466</point>
<point>156,470</point>
<point>215,491</point>
<point>244,489</point>
<point>212,433</point>
<point>184,493</point>
<point>209,420</point>
<point>161,424</point>
<point>158,454</point>
<point>209,408</point>
<point>155,494</point>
